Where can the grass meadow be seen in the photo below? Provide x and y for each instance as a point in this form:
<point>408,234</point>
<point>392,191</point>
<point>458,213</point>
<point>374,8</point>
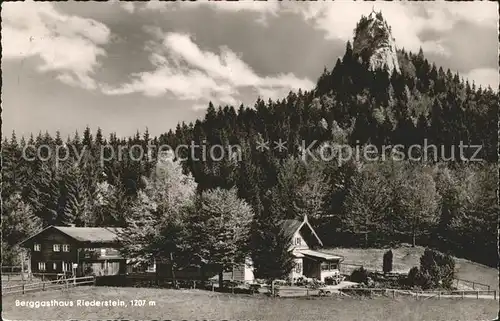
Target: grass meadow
<point>199,305</point>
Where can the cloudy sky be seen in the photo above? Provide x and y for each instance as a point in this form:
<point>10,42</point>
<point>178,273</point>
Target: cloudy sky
<point>128,66</point>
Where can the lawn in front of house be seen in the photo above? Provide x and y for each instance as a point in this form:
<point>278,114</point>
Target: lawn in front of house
<point>200,304</point>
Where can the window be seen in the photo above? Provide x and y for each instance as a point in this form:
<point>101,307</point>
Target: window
<point>37,247</point>
<point>298,267</point>
<point>54,266</point>
<point>65,248</point>
<point>57,247</point>
<point>41,266</point>
<point>66,267</point>
<point>327,266</point>
<point>298,241</point>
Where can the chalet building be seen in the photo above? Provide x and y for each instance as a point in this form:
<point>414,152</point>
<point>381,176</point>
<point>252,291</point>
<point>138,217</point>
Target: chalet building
<point>309,262</point>
<point>75,250</point>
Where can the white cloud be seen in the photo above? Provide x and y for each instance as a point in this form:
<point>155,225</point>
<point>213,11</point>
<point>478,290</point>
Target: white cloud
<point>482,13</point>
<point>408,20</point>
<point>484,77</point>
<point>436,47</point>
<point>128,6</point>
<point>69,45</point>
<point>236,6</point>
<point>187,72</point>
<point>264,9</point>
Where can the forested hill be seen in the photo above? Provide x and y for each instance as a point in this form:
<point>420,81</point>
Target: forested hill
<point>449,204</point>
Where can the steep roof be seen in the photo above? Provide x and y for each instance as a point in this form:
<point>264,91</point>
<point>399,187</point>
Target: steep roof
<point>289,227</point>
<point>84,234</point>
<point>91,234</point>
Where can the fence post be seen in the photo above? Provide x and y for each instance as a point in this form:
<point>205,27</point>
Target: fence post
<point>43,286</point>
<point>463,294</point>
<point>473,286</point>
<point>477,294</point>
<point>95,280</point>
<point>393,293</point>
<point>23,288</point>
<point>494,294</point>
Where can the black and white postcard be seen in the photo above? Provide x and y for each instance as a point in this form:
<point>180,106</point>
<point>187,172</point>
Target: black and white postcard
<point>250,160</point>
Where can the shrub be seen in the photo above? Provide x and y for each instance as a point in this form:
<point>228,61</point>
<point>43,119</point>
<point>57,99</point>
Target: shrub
<point>413,275</point>
<point>439,268</point>
<point>359,275</point>
<point>387,262</point>
<point>329,280</point>
<point>417,278</point>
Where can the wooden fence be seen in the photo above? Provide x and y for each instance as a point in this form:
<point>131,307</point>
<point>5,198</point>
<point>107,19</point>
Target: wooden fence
<point>477,294</point>
<point>11,269</point>
<point>48,285</point>
<point>294,291</point>
<point>472,284</point>
<point>151,280</point>
<point>290,291</point>
<point>17,276</point>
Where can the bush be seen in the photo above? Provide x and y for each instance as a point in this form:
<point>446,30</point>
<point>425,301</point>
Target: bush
<point>387,262</point>
<point>438,268</point>
<point>303,281</point>
<point>417,278</point>
<point>359,275</point>
<point>330,280</point>
<point>413,275</point>
<point>315,284</point>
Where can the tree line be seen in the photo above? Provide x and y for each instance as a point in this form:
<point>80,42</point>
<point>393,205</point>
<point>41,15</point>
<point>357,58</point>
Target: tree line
<point>448,204</point>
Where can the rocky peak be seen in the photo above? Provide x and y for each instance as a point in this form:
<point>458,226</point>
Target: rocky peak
<point>373,42</point>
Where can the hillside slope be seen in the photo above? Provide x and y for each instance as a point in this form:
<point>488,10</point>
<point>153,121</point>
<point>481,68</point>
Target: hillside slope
<point>406,257</point>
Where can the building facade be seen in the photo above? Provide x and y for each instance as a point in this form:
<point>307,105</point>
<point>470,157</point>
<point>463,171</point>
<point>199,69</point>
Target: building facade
<point>75,251</point>
<point>309,261</point>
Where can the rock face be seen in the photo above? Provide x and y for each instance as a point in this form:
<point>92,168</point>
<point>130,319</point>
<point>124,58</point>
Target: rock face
<point>373,42</point>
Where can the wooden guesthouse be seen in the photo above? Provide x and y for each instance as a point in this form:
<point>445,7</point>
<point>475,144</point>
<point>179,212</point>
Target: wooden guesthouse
<point>76,251</point>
